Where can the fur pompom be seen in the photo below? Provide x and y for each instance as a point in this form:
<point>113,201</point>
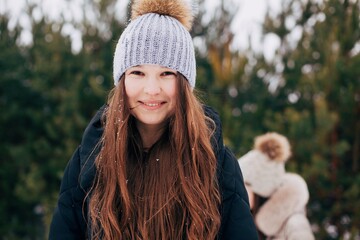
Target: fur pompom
<point>182,10</point>
<point>274,145</point>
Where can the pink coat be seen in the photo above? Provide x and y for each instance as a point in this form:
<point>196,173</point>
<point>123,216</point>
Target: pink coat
<point>283,215</point>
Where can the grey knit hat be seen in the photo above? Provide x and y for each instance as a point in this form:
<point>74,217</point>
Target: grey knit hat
<point>157,35</point>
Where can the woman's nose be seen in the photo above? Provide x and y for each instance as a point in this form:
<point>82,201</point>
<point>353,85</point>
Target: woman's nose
<point>152,86</point>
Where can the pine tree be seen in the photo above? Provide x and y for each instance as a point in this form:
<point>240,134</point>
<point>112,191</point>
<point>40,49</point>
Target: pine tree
<point>50,94</point>
<point>317,106</point>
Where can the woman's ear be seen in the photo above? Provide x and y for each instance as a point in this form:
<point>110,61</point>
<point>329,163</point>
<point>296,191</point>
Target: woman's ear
<point>291,196</point>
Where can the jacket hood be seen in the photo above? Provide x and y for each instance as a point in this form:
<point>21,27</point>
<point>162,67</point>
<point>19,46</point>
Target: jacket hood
<point>90,143</point>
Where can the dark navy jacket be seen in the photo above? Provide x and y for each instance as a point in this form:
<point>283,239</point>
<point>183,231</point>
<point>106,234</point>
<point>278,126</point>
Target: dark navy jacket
<point>69,219</point>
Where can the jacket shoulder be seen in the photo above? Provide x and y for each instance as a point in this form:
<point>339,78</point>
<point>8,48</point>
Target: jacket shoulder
<point>92,134</point>
<point>90,147</point>
<point>231,176</point>
<point>237,219</point>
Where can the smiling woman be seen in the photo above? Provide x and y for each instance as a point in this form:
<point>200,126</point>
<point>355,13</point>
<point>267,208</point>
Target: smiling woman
<point>152,163</point>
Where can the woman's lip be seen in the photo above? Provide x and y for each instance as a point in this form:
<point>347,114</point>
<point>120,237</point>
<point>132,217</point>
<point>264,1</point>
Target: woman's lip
<point>152,104</point>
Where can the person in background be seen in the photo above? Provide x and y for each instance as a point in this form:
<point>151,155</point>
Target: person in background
<point>152,164</point>
<point>277,198</point>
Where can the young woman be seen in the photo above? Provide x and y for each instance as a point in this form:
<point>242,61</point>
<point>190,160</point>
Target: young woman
<point>152,164</point>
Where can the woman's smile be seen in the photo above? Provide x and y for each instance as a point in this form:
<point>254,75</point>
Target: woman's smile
<point>152,105</point>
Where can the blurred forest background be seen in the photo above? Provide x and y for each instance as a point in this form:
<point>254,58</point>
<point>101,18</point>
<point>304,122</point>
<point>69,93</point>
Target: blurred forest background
<point>309,91</point>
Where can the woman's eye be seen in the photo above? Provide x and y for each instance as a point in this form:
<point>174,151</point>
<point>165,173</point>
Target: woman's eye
<point>138,73</point>
<point>168,73</point>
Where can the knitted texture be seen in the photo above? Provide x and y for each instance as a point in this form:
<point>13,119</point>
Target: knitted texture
<point>155,39</point>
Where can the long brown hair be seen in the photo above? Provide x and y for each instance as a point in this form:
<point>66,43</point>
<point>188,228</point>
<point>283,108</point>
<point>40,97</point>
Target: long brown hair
<point>169,192</point>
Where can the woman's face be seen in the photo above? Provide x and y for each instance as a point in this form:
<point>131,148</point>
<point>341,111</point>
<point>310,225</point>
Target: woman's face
<point>151,92</point>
